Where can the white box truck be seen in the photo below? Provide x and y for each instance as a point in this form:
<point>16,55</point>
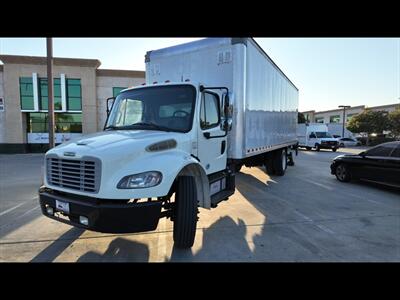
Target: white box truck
<point>176,143</point>
<point>316,135</point>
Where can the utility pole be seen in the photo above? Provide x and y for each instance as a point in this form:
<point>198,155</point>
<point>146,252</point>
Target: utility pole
<point>344,116</point>
<point>49,44</point>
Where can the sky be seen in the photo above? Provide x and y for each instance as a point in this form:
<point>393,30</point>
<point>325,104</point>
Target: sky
<point>327,71</point>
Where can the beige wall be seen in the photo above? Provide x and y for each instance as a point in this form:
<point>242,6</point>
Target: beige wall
<point>104,88</point>
<point>355,110</point>
<point>16,129</point>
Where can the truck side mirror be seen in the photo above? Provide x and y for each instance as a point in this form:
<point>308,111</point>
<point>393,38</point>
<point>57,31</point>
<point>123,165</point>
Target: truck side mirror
<point>110,103</point>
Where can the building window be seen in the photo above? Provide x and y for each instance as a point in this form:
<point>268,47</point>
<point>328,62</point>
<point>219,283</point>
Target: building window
<point>65,123</point>
<point>26,93</point>
<point>334,119</point>
<point>74,94</point>
<point>349,116</point>
<point>43,94</point>
<point>319,120</point>
<point>117,90</point>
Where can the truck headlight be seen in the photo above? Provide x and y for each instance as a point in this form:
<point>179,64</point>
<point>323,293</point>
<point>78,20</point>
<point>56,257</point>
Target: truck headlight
<point>139,181</point>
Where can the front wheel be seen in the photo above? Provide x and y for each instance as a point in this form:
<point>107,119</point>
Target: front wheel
<point>185,216</point>
<point>317,147</point>
<point>342,173</point>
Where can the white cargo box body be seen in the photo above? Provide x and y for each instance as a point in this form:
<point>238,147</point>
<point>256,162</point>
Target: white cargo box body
<point>265,101</point>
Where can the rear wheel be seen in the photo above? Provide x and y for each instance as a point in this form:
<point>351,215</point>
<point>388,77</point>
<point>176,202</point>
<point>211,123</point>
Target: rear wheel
<point>280,162</point>
<point>185,216</point>
<point>342,173</point>
<point>334,149</point>
<point>317,147</point>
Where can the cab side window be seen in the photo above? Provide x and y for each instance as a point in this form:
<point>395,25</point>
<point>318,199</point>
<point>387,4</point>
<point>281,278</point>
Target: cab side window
<point>209,112</point>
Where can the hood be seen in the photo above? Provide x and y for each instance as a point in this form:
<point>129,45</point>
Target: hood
<point>117,142</point>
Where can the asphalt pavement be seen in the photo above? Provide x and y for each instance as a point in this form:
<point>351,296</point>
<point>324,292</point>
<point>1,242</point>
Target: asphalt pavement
<point>306,215</point>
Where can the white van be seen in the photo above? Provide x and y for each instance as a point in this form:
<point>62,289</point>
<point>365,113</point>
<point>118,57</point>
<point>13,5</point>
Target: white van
<point>316,135</point>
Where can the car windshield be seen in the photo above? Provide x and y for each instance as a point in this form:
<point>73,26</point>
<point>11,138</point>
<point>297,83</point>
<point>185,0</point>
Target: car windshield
<point>323,135</point>
<point>166,108</point>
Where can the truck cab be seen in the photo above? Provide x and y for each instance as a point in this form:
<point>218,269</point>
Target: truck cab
<point>159,140</point>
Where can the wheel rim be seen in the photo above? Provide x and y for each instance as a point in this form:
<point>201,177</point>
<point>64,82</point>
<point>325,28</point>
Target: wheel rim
<point>341,172</point>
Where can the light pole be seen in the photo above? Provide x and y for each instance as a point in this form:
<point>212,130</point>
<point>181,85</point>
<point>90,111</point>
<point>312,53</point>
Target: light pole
<point>344,116</point>
<point>49,44</point>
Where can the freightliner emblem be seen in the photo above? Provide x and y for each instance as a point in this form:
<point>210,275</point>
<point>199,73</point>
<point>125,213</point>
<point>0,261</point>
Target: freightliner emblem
<point>69,153</point>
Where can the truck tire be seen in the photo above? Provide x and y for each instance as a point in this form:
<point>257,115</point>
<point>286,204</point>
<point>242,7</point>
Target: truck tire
<point>185,214</point>
<point>317,148</point>
<point>238,168</point>
<point>269,168</point>
<point>334,149</point>
<point>280,162</point>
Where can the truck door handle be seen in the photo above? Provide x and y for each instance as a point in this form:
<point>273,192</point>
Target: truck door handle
<point>223,146</point>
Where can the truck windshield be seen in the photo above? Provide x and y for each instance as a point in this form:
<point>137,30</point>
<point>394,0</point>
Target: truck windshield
<point>166,108</point>
<point>323,135</point>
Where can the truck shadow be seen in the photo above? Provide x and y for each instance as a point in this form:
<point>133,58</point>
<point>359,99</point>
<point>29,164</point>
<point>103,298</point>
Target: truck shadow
<point>57,247</point>
<point>119,250</point>
<point>225,240</point>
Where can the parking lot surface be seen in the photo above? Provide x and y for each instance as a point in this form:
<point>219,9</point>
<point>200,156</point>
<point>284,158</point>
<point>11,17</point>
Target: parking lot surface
<point>306,215</point>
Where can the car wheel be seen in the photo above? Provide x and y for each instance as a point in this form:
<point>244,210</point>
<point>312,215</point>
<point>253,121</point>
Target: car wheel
<point>342,173</point>
<point>185,217</point>
<point>334,149</point>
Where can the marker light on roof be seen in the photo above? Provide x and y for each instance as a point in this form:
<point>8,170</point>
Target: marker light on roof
<point>144,83</point>
<point>155,82</point>
<point>166,81</point>
<point>187,80</point>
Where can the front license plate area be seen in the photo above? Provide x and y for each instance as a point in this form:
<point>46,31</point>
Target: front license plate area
<point>62,206</point>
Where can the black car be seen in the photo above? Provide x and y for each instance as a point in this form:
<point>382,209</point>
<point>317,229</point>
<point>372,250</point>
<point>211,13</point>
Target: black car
<point>379,164</point>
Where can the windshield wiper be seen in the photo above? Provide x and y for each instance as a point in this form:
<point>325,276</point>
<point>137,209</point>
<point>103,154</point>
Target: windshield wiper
<point>112,127</point>
<point>152,125</point>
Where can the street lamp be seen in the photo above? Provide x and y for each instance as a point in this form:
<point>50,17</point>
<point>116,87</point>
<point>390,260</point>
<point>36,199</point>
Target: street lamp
<point>49,47</point>
<point>344,115</point>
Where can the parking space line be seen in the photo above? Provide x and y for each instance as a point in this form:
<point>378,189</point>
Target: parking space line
<point>27,212</point>
<point>11,209</point>
<point>317,184</point>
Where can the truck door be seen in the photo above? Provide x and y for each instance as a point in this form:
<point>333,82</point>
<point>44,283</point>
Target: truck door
<point>212,141</point>
<point>312,139</point>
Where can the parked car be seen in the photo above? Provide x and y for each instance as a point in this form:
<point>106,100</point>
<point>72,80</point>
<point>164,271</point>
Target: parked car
<point>348,142</point>
<point>380,164</point>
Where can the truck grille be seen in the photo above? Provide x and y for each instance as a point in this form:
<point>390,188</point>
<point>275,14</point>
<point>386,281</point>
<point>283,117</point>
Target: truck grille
<point>82,175</point>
